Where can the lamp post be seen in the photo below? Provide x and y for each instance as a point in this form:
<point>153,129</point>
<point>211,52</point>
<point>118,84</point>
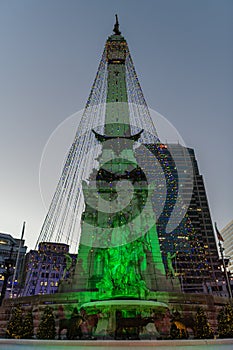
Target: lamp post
<point>17,261</point>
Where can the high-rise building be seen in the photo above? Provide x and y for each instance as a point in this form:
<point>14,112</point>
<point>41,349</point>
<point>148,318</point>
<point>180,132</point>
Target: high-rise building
<point>46,267</point>
<point>227,234</point>
<point>192,243</point>
<point>10,248</point>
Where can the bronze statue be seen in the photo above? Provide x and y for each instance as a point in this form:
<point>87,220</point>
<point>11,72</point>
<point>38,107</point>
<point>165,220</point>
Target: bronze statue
<point>73,326</point>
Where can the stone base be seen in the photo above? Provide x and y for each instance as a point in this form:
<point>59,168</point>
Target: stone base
<point>64,303</point>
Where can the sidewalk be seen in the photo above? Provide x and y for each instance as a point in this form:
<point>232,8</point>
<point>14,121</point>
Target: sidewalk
<point>205,344</point>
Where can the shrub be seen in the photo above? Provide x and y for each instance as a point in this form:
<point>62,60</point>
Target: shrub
<point>46,329</point>
<point>225,322</point>
<point>27,328</point>
<point>14,327</point>
<point>202,329</point>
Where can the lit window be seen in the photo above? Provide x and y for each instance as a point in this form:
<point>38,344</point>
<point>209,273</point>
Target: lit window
<point>3,242</point>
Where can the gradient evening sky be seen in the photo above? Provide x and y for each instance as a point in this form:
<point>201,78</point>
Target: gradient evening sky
<point>50,50</point>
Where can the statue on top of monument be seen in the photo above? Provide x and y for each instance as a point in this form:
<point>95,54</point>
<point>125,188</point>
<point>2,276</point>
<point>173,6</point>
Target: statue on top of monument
<point>116,27</point>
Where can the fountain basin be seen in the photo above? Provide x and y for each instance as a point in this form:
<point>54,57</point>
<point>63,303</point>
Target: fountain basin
<point>125,304</point>
<point>125,318</point>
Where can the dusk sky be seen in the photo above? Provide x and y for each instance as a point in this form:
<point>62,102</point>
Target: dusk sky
<point>50,51</point>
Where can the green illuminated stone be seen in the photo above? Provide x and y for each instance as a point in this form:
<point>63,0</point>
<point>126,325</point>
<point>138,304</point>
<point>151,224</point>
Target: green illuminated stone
<point>119,254</point>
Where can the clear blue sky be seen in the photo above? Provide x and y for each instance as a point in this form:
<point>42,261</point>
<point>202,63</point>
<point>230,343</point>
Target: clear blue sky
<point>50,50</point>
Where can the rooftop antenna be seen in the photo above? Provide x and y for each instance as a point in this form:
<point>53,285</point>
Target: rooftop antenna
<point>116,27</point>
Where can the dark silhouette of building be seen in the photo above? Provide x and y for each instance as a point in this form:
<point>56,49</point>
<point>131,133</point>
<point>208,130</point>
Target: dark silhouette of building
<point>46,267</point>
<point>9,248</point>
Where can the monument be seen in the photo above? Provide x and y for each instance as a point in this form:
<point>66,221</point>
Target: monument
<point>119,259</point>
<point>102,207</point>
